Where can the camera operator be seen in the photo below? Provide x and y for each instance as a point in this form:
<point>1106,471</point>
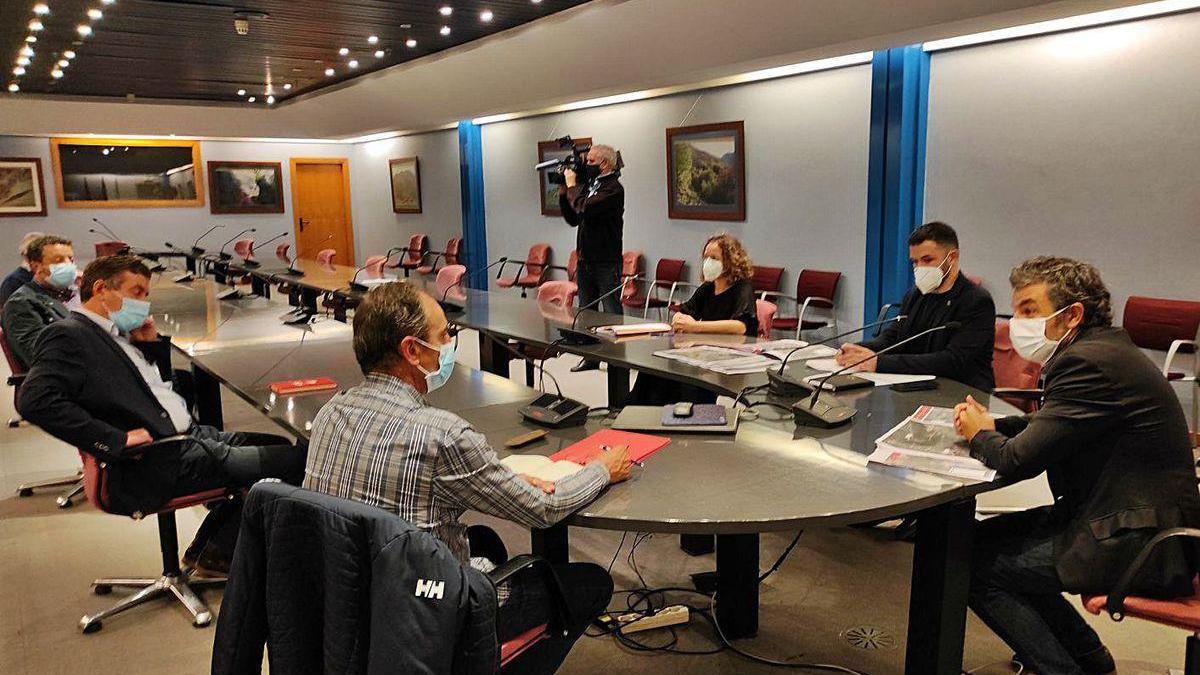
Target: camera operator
<point>596,205</point>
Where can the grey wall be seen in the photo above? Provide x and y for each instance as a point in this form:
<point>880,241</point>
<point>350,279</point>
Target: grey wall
<point>1082,144</point>
<point>806,173</point>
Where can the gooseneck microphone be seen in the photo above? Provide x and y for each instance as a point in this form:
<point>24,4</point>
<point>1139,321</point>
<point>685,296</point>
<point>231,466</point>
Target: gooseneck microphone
<point>227,256</point>
<point>784,386</point>
<point>574,336</point>
<point>248,261</point>
<point>291,269</point>
<point>106,229</point>
<point>354,285</point>
<point>450,307</point>
<point>196,244</point>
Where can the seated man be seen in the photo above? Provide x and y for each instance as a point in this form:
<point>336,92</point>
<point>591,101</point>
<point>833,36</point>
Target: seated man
<point>23,274</point>
<point>1112,439</point>
<point>382,444</point>
<point>942,294</point>
<point>39,302</point>
<point>101,380</point>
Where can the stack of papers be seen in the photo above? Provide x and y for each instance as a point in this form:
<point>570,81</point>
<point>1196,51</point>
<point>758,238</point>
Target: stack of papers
<point>781,348</point>
<point>926,441</point>
<point>880,379</point>
<point>627,329</point>
<point>724,360</point>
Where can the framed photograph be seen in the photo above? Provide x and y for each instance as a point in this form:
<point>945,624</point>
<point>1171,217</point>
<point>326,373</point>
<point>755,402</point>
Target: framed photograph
<point>706,172</point>
<point>548,192</point>
<point>406,184</point>
<point>122,173</point>
<point>245,187</point>
<point>22,192</point>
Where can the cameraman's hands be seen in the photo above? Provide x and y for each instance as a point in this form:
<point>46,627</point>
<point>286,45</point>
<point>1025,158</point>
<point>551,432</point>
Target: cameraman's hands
<point>569,177</point>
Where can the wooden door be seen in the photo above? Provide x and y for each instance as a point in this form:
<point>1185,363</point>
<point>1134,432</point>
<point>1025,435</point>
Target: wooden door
<point>321,208</point>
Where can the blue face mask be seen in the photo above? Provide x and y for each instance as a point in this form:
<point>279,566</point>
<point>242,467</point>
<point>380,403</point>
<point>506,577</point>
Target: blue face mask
<point>437,378</point>
<point>62,275</point>
<point>131,315</point>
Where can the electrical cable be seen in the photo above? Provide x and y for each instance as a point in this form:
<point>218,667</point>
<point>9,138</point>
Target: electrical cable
<point>783,556</point>
<point>519,355</point>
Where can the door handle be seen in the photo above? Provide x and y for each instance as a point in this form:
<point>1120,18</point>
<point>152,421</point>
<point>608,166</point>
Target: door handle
<point>302,223</point>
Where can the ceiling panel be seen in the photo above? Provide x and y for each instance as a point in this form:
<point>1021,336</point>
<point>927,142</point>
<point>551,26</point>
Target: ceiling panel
<point>189,49</point>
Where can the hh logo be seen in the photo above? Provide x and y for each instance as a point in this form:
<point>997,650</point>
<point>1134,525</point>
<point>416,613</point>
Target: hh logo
<point>430,589</point>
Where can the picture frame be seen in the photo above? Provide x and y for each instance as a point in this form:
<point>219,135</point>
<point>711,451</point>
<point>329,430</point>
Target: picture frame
<point>547,191</point>
<point>22,188</point>
<point>404,175</point>
<point>124,173</point>
<point>245,187</point>
<point>706,172</point>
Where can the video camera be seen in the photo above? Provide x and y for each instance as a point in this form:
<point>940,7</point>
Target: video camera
<point>576,161</point>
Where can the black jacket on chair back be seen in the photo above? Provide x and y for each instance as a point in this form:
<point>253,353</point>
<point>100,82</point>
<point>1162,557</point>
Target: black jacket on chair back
<point>336,586</point>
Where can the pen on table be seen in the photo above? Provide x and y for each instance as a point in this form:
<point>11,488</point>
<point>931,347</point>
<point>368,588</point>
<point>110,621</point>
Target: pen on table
<point>606,448</point>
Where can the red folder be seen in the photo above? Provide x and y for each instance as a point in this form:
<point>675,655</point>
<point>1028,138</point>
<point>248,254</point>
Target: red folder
<point>640,446</point>
<point>289,387</point>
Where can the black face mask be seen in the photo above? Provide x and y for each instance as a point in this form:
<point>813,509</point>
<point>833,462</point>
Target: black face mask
<point>591,172</point>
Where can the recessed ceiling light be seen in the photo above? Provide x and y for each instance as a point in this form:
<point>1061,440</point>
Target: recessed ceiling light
<point>372,39</point>
<point>536,2</point>
<point>252,99</point>
<point>69,54</point>
<point>31,38</point>
<point>379,53</point>
<point>35,25</point>
<point>446,10</point>
<point>406,26</point>
<point>95,14</point>
<point>63,63</point>
<point>241,92</point>
<point>14,88</point>
<point>410,43</point>
<point>41,9</point>
<point>105,151</point>
<point>26,51</point>
<point>56,73</point>
<point>270,100</point>
<point>344,51</point>
<point>287,86</point>
<point>329,72</point>
<point>83,30</point>
<point>109,2</point>
<point>23,61</point>
<point>18,71</point>
<point>353,63</point>
<point>486,15</point>
<point>445,30</point>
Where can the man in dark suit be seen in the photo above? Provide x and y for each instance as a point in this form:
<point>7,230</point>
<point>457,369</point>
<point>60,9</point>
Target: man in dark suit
<point>1112,439</point>
<point>40,302</point>
<point>941,294</point>
<point>22,275</point>
<point>101,380</point>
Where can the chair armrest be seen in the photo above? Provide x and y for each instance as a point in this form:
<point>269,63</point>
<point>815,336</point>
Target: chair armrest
<point>1018,393</point>
<point>883,312</point>
<point>545,570</point>
<point>559,267</point>
<point>138,450</point>
<point>1116,597</point>
<point>766,295</point>
<point>16,379</point>
<point>1178,347</point>
<point>500,272</point>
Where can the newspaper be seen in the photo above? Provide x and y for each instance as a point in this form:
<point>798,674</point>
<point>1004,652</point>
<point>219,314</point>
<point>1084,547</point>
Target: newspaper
<point>724,360</point>
<point>781,348</point>
<point>927,441</point>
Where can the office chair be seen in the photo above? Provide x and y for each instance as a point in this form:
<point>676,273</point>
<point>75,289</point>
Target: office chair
<point>1171,326</point>
<point>532,271</point>
<point>111,247</point>
<point>558,294</point>
<point>449,277</point>
<point>815,290</point>
<point>325,256</point>
<point>766,317</point>
<point>450,256</point>
<point>766,279</point>
<point>668,275</point>
<point>631,266</point>
<point>281,252</point>
<point>173,581</point>
<point>414,254</point>
<point>1016,379</point>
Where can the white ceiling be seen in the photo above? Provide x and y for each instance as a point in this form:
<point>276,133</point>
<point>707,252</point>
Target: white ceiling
<point>603,48</point>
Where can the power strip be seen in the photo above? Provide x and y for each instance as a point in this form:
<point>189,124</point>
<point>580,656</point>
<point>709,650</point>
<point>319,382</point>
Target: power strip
<point>667,616</point>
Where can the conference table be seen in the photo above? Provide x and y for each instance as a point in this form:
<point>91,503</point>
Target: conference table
<point>771,476</point>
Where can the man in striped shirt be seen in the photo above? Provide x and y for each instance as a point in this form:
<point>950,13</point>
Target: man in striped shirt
<point>382,444</point>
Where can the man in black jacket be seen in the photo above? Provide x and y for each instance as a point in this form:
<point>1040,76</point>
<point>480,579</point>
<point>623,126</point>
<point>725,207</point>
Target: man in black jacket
<point>101,380</point>
<point>22,274</point>
<point>597,209</point>
<point>942,294</point>
<point>40,302</point>
<point>1112,439</point>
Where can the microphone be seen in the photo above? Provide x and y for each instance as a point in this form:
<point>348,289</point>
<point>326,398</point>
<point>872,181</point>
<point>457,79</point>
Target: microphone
<point>354,285</point>
<point>227,256</point>
<point>546,164</point>
<point>196,244</point>
<point>251,262</point>
<point>98,233</point>
<point>451,307</point>
<point>106,229</point>
<point>186,276</point>
<point>572,335</point>
<point>291,269</point>
<point>824,413</point>
<point>782,385</point>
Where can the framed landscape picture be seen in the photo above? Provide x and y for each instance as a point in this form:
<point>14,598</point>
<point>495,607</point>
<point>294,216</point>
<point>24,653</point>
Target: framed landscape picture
<point>22,192</point>
<point>406,184</point>
<point>548,192</point>
<point>706,172</point>
<point>245,187</point>
<point>115,173</point>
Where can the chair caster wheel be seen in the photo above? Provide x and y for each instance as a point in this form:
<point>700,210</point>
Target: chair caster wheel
<point>24,492</point>
<point>93,627</point>
<point>64,503</point>
<point>102,589</point>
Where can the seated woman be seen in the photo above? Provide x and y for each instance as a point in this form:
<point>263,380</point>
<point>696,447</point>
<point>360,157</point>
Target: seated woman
<point>724,303</point>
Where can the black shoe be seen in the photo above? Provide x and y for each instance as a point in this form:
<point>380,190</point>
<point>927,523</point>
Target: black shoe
<point>585,365</point>
<point>1097,662</point>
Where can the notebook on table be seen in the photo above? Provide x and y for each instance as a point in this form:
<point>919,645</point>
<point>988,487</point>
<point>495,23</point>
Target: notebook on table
<point>291,387</point>
<point>572,458</point>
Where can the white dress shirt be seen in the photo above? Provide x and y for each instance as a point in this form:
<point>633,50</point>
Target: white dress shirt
<point>170,401</point>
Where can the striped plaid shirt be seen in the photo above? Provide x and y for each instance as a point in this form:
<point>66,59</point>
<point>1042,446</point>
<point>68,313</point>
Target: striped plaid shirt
<point>380,443</point>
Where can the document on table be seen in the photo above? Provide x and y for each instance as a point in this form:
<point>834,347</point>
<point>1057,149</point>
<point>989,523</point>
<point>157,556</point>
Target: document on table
<point>724,360</point>
<point>799,349</point>
<point>927,441</point>
<point>880,379</point>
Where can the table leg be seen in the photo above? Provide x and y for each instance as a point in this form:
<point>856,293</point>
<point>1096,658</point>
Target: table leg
<point>260,287</point>
<point>208,398</point>
<point>737,585</point>
<point>308,299</point>
<point>493,358</point>
<point>551,544</point>
<point>937,605</point>
<point>618,386</point>
<point>191,264</point>
<point>339,312</point>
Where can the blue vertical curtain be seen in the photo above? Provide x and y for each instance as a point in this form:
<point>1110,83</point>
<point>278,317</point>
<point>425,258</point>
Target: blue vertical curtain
<point>474,223</point>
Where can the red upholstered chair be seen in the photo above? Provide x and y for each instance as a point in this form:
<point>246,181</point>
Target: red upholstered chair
<point>766,280</point>
<point>430,264</point>
<point>414,253</point>
<point>244,248</point>
<point>373,267</point>
<point>449,277</point>
<point>1182,613</point>
<point>532,271</point>
<point>766,317</point>
<point>558,294</point>
<point>453,251</point>
<point>325,256</point>
<point>668,276</point>
<point>1016,378</point>
<point>73,482</point>
<point>632,264</point>
<point>572,264</point>
<point>104,248</point>
<point>281,252</point>
<point>815,290</point>
<point>1172,326</point>
<point>174,582</point>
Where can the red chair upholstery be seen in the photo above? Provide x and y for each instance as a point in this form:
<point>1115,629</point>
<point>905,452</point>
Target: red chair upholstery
<point>815,289</point>
<point>430,267</point>
<point>449,277</point>
<point>631,266</point>
<point>174,582</point>
<point>767,279</point>
<point>766,316</point>
<point>325,256</point>
<point>281,252</point>
<point>244,248</point>
<point>1016,378</point>
<point>373,267</point>
<point>532,272</point>
<point>561,293</point>
<point>572,264</point>
<point>668,275</point>
<point>418,245</point>
<point>104,248</point>
<point>453,250</point>
<point>518,645</point>
<point>1173,326</point>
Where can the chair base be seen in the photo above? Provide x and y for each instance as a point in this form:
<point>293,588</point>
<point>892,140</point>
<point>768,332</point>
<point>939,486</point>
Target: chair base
<point>74,481</point>
<point>179,586</point>
<point>64,500</point>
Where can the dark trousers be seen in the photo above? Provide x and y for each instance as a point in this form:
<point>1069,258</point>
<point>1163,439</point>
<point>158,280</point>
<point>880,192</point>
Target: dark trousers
<point>1017,593</point>
<point>588,589</point>
<point>596,279</point>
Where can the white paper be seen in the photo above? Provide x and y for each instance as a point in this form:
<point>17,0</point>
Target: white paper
<point>827,365</point>
<point>540,467</point>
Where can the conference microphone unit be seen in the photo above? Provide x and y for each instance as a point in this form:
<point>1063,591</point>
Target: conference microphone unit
<point>574,336</point>
<point>825,410</point>
<point>226,256</point>
<point>196,250</point>
<point>783,385</point>
<point>186,276</point>
<point>251,262</point>
<point>455,308</point>
<point>291,270</point>
<point>363,288</point>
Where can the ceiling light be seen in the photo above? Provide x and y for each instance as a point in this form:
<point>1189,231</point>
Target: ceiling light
<point>270,100</point>
<point>287,86</point>
<point>372,39</point>
<point>105,151</point>
<point>18,71</point>
<point>26,51</point>
<point>406,26</point>
<point>35,25</point>
<point>83,30</point>
<point>69,54</point>
<point>95,14</point>
<point>56,73</point>
<point>252,99</point>
<point>14,88</point>
<point>445,30</point>
<point>31,39</point>
<point>353,63</point>
<point>343,51</point>
<point>446,10</point>
<point>41,9</point>
<point>486,15</point>
<point>410,43</point>
<point>379,53</point>
<point>109,2</point>
<point>63,63</point>
<point>536,2</point>
<point>329,72</point>
<point>23,61</point>
<point>241,92</point>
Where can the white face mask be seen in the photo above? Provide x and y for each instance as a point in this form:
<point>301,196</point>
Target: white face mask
<point>930,278</point>
<point>1028,337</point>
<point>711,269</point>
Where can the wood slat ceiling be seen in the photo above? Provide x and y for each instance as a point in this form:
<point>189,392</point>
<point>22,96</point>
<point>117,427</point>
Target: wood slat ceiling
<point>189,50</point>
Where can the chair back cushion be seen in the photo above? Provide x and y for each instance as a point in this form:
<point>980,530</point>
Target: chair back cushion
<point>95,482</point>
<point>539,257</point>
<point>244,248</point>
<point>631,265</point>
<point>1010,370</point>
<point>104,248</point>
<point>453,245</point>
<point>281,252</point>
<point>668,271</point>
<point>14,366</point>
<point>448,276</point>
<point>560,293</point>
<point>1154,323</point>
<point>325,256</point>
<point>766,316</point>
<point>572,265</point>
<point>417,245</point>
<point>767,278</point>
<point>817,284</point>
<point>373,267</point>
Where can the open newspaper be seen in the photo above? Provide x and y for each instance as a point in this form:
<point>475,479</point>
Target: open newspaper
<point>926,441</point>
<point>742,359</point>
